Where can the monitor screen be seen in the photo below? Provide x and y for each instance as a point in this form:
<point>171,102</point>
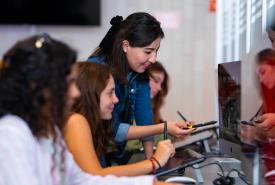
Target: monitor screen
<point>50,12</point>
<point>229,91</point>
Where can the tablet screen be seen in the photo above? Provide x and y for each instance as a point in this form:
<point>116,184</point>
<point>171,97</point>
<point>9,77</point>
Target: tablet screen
<point>181,159</point>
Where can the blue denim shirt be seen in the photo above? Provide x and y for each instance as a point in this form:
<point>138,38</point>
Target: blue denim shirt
<point>137,93</point>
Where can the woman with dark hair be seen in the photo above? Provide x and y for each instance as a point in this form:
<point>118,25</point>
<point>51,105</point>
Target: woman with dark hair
<point>129,48</point>
<point>88,129</point>
<point>37,88</point>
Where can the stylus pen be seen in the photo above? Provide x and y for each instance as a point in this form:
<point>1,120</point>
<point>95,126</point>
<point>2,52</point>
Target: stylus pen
<point>182,117</point>
<point>165,130</point>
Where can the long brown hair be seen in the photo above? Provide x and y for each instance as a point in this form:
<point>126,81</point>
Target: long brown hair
<point>158,100</point>
<point>92,80</point>
<point>267,56</point>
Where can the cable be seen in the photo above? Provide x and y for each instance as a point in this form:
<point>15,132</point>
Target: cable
<point>216,163</point>
<point>225,179</point>
<point>239,174</point>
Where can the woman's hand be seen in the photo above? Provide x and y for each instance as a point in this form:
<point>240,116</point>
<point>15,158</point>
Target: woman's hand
<point>267,121</point>
<point>165,150</point>
<point>179,129</point>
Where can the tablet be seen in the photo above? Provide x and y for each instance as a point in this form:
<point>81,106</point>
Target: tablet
<point>181,160</point>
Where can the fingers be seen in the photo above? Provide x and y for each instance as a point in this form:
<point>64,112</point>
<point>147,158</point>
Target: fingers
<point>264,125</point>
<point>165,148</point>
<point>184,132</point>
<point>179,129</point>
<point>169,146</point>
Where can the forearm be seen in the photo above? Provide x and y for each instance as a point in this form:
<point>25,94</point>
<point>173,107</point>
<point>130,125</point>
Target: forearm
<point>135,169</point>
<point>137,132</point>
<point>148,148</point>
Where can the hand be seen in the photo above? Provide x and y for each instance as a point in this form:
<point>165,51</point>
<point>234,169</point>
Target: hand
<point>176,129</point>
<point>267,121</point>
<point>165,150</point>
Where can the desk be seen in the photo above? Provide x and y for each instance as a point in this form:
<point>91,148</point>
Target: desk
<point>209,173</point>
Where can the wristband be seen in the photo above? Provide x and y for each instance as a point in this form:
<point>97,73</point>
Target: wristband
<point>154,159</point>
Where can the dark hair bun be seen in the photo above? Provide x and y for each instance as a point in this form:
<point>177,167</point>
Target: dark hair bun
<point>116,20</point>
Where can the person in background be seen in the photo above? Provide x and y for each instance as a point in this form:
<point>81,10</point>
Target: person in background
<point>37,89</point>
<point>88,129</point>
<point>159,84</point>
<point>271,33</point>
<point>129,48</point>
<point>265,69</point>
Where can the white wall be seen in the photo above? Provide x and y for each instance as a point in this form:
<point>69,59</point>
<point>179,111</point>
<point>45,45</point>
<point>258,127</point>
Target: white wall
<point>188,50</point>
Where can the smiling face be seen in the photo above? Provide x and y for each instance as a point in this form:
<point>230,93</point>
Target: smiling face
<point>156,80</point>
<point>108,99</point>
<point>140,58</point>
<point>266,73</point>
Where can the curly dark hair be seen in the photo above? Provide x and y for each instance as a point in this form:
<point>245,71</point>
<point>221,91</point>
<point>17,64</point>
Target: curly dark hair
<point>33,77</point>
<point>92,80</point>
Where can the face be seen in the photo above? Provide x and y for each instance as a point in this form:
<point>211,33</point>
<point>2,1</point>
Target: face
<point>271,35</point>
<point>156,80</point>
<point>266,75</point>
<point>140,58</point>
<point>73,91</point>
<point>108,99</point>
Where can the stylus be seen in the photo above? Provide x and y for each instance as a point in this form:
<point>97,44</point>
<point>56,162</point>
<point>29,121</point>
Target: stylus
<point>182,117</point>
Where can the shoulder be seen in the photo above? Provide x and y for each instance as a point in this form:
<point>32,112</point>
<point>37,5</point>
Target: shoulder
<point>16,131</point>
<point>76,122</point>
<point>14,125</point>
<point>76,117</point>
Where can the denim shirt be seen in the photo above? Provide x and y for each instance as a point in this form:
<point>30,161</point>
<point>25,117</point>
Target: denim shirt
<point>138,108</point>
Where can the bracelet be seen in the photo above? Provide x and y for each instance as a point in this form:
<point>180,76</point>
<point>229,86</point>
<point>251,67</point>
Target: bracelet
<point>153,166</point>
<point>154,159</point>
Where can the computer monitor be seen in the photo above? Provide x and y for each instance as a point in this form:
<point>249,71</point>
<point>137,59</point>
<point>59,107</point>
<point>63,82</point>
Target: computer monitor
<point>229,91</point>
